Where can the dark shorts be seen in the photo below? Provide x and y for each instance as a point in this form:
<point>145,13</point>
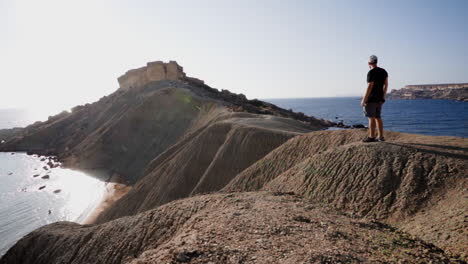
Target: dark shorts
<point>373,110</point>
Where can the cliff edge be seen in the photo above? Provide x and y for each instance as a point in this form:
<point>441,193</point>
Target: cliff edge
<point>220,178</point>
<point>155,107</point>
<point>452,91</point>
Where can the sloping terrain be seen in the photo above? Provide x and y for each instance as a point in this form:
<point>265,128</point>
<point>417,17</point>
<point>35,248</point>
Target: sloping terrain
<point>7,134</point>
<point>121,133</point>
<point>287,195</point>
<point>205,161</point>
<point>227,228</point>
<point>288,155</point>
<point>401,181</point>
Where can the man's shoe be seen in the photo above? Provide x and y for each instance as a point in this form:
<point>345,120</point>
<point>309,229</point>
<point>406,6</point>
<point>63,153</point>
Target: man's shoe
<point>381,139</point>
<point>368,139</point>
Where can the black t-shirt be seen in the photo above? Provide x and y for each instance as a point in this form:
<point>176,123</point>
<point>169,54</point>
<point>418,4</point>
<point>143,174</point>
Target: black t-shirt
<point>378,76</point>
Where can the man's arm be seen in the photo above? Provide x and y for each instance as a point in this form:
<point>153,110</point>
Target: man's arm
<point>366,96</point>
<point>385,88</point>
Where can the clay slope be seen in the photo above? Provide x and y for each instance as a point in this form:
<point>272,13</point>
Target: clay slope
<point>205,160</point>
<point>401,181</point>
<point>226,228</point>
<point>121,133</point>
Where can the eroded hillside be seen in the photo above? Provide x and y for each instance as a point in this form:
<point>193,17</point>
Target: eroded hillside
<point>281,190</point>
<point>254,227</point>
<point>122,133</point>
<point>416,182</point>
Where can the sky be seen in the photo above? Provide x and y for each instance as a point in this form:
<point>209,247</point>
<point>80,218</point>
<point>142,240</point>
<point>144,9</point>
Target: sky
<point>55,54</point>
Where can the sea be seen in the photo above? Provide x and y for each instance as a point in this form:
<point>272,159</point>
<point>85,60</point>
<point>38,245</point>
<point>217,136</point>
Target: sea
<point>25,207</point>
<point>421,116</point>
<point>33,195</point>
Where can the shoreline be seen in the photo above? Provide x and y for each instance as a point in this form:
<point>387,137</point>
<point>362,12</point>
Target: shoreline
<point>114,190</point>
<point>114,186</point>
<point>39,190</point>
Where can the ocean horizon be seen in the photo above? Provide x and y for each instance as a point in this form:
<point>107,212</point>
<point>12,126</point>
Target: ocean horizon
<point>434,117</point>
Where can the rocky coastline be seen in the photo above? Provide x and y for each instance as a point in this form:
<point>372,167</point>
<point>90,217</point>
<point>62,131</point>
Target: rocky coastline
<point>455,91</point>
<point>218,178</point>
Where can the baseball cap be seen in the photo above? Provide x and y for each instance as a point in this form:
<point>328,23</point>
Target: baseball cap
<point>373,59</point>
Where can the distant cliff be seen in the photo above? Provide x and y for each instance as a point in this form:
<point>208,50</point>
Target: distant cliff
<point>452,91</point>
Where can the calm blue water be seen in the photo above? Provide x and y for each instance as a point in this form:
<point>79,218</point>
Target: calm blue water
<point>428,117</point>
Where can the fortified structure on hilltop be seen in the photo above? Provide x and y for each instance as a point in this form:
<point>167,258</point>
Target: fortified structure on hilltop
<point>154,71</point>
<point>453,91</point>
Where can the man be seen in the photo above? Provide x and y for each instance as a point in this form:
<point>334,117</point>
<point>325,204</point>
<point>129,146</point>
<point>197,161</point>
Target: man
<point>377,85</point>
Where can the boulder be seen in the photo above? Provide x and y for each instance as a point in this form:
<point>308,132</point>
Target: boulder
<point>358,126</point>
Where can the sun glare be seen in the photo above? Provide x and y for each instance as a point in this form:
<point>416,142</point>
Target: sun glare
<point>82,193</point>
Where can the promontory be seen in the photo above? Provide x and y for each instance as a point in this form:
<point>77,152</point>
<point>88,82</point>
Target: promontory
<point>218,178</point>
<point>452,91</point>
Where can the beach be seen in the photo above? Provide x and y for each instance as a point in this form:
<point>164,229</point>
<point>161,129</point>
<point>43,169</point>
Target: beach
<point>113,192</point>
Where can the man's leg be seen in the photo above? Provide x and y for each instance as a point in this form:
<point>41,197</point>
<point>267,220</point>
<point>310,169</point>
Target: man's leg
<point>380,127</point>
<point>372,127</point>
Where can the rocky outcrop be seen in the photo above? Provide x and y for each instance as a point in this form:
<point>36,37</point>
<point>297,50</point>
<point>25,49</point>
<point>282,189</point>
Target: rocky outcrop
<point>227,228</point>
<point>153,71</point>
<point>454,91</point>
<point>123,132</point>
<point>178,138</point>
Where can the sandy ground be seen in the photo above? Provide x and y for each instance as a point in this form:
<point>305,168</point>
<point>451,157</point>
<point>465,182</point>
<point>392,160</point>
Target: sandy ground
<point>114,191</point>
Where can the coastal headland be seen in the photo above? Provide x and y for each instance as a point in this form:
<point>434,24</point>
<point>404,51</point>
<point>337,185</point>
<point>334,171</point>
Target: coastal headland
<point>216,177</point>
<point>451,91</point>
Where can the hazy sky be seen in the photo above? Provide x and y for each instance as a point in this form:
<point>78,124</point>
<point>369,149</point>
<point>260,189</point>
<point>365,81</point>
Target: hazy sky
<point>55,54</point>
